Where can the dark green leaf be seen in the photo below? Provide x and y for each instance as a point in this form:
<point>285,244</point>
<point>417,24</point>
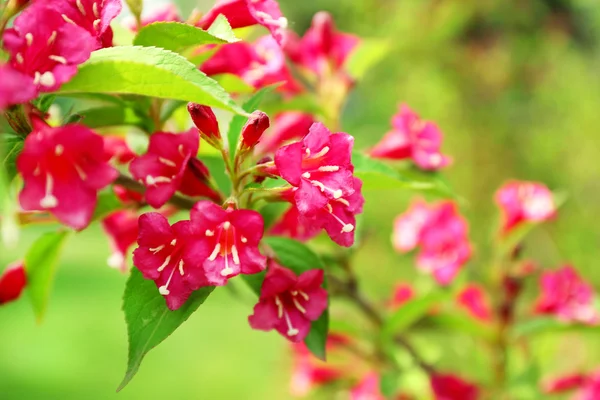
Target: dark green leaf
<point>40,266</point>
<point>115,116</point>
<point>294,255</point>
<point>409,313</point>
<point>148,71</point>
<point>316,340</point>
<point>271,212</point>
<point>108,202</point>
<point>216,167</point>
<point>149,321</point>
<point>10,148</point>
<point>44,102</point>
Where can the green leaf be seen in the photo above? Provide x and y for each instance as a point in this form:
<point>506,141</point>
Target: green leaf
<point>363,58</point>
<point>149,321</point>
<point>462,323</point>
<point>409,313</point>
<point>177,36</point>
<point>389,384</point>
<point>216,167</point>
<point>44,102</point>
<point>40,266</point>
<point>233,84</point>
<point>136,7</point>
<point>148,71</point>
<point>547,325</point>
<point>222,29</point>
<point>11,145</point>
<point>316,340</point>
<point>108,202</point>
<point>238,121</point>
<point>115,116</point>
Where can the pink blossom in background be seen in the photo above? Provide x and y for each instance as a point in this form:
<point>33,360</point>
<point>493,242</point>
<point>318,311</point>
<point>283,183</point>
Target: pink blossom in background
<point>584,386</point>
<point>403,292</point>
<point>476,302</point>
<point>118,149</point>
<point>63,169</point>
<point>409,225</point>
<point>165,13</point>
<point>367,389</point>
<point>522,202</point>
<point>15,87</point>
<point>412,138</point>
<point>12,282</point>
<point>452,387</point>
<point>121,227</point>
<point>567,296</point>
<point>289,303</point>
<point>287,126</point>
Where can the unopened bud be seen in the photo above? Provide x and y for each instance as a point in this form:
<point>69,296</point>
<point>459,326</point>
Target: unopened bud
<point>254,128</point>
<point>205,120</point>
<point>12,282</point>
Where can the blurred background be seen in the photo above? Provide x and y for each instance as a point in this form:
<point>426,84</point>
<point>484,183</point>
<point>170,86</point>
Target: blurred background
<point>514,86</point>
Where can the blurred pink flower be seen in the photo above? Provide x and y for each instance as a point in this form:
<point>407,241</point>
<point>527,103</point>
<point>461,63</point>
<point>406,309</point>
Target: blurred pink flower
<point>412,138</point>
<point>403,292</point>
<point>367,389</point>
<point>476,302</point>
<point>12,282</point>
<point>15,87</point>
<point>567,296</point>
<point>451,387</point>
<point>586,386</point>
<point>522,202</point>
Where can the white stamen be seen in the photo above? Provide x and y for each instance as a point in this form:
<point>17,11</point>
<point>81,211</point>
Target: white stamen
<point>54,34</point>
<point>115,260</point>
<point>164,264</point>
<point>163,290</point>
<point>299,306</point>
<point>95,10</point>
<point>49,200</point>
<point>244,240</point>
<point>329,208</point>
<point>235,255</point>
<point>80,7</point>
<point>215,252</point>
<point>321,153</point>
<point>291,330</point>
<point>80,172</point>
<point>167,162</point>
<point>279,307</point>
<point>344,202</point>
<point>47,79</point>
<point>337,194</point>
<point>181,267</point>
<point>29,39</point>
<point>19,58</point>
<point>58,59</point>
<point>96,24</point>
<point>226,225</point>
<point>59,149</point>
<point>36,78</point>
<point>68,20</point>
<point>347,228</point>
<point>180,150</point>
<point>307,152</point>
<point>329,168</point>
<point>209,233</point>
<point>173,242</point>
<point>153,180</point>
<point>306,175</point>
<point>301,293</point>
<point>157,249</point>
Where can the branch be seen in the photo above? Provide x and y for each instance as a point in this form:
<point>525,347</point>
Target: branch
<point>176,200</point>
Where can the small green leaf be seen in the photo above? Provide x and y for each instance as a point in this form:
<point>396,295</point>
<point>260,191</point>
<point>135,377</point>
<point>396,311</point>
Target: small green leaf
<point>546,325</point>
<point>316,340</point>
<point>409,313</point>
<point>363,58</point>
<point>177,36</point>
<point>44,102</point>
<point>389,384</point>
<point>216,167</point>
<point>40,266</point>
<point>11,146</point>
<point>462,323</point>
<point>115,116</point>
<point>108,202</point>
<point>149,321</point>
<point>148,71</point>
<point>222,29</point>
<point>294,255</point>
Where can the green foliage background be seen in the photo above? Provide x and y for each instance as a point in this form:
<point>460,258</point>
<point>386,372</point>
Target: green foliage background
<point>515,86</point>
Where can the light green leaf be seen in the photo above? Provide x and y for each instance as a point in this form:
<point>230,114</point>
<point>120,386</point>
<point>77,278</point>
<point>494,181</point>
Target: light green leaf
<point>222,29</point>
<point>364,58</point>
<point>114,116</point>
<point>233,84</point>
<point>136,7</point>
<point>177,36</point>
<point>216,167</point>
<point>40,266</point>
<point>148,71</point>
<point>462,323</point>
<point>409,313</point>
<point>547,325</point>
<point>10,147</point>
<point>149,321</point>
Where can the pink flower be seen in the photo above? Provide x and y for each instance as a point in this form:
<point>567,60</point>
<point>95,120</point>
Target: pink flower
<point>122,229</point>
<point>290,125</point>
<point>290,224</point>
<point>118,149</point>
<point>591,388</point>
<point>451,387</point>
<point>412,138</point>
<point>522,202</point>
<point>567,296</point>
<point>15,87</point>
<point>253,129</point>
<point>318,167</point>
<point>367,389</point>
<point>442,235</point>
<point>242,13</point>
<point>12,282</point>
<point>171,165</point>
<point>474,300</point>
<point>323,49</point>
<point>170,257</point>
<point>229,239</point>
<point>94,16</point>
<point>564,383</point>
<point>289,303</point>
<point>164,13</point>
<point>49,52</point>
<point>403,292</point>
<point>63,168</point>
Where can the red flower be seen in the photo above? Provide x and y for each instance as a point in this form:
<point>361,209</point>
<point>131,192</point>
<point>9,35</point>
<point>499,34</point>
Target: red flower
<point>119,151</point>
<point>63,168</point>
<point>564,383</point>
<point>367,389</point>
<point>475,301</point>
<point>12,282</point>
<point>242,13</point>
<point>122,230</point>
<point>49,52</point>
<point>442,235</point>
<point>15,87</point>
<point>253,129</point>
<point>290,224</point>
<point>567,296</point>
<point>403,292</point>
<point>171,165</point>
<point>205,120</point>
<point>229,239</point>
<point>289,303</point>
<point>412,138</point>
<point>522,202</point>
<point>451,387</point>
<point>319,167</point>
<point>170,257</point>
<point>290,125</point>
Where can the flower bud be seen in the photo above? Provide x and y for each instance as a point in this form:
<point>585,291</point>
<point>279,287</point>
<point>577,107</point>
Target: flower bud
<point>254,128</point>
<point>205,120</point>
<point>12,282</point>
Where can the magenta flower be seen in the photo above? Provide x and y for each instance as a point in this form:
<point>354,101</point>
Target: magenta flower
<point>170,257</point>
<point>442,235</point>
<point>287,126</point>
<point>451,387</point>
<point>567,296</point>
<point>367,389</point>
<point>253,129</point>
<point>119,151</point>
<point>15,87</point>
<point>289,303</point>
<point>63,168</point>
<point>524,202</point>
<point>412,138</point>
<point>205,120</point>
<point>290,224</point>
<point>94,16</point>
<point>403,292</point>
<point>475,301</point>
<point>564,383</point>
<point>164,13</point>
<point>12,282</point>
<point>319,167</point>
<point>170,165</point>
<point>49,52</point>
<point>121,227</point>
<point>242,13</point>
<point>229,239</point>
